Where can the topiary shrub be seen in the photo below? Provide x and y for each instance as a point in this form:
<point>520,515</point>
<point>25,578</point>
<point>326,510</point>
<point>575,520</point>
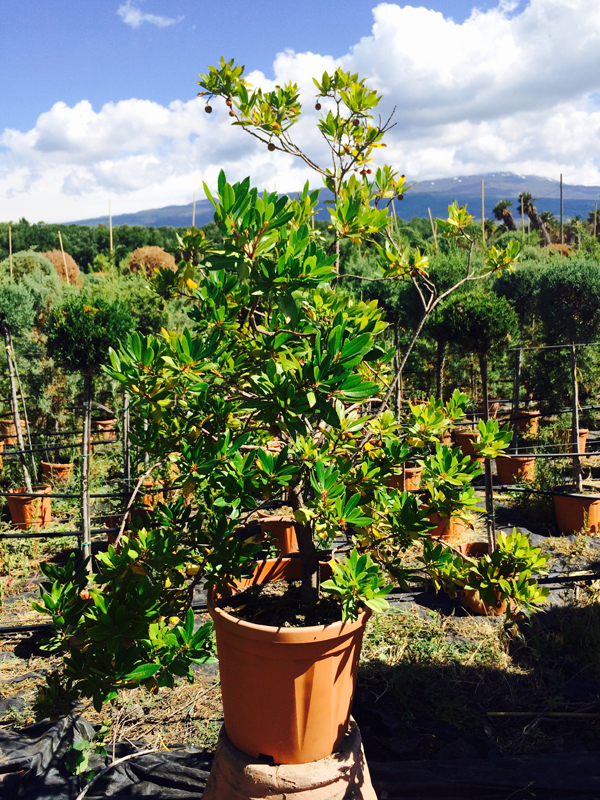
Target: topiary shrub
<point>37,273</point>
<point>73,271</point>
<point>81,331</point>
<point>148,259</point>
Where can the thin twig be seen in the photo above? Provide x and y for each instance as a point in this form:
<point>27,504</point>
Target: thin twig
<point>103,772</point>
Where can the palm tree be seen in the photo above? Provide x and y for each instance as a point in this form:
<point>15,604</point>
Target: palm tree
<point>502,213</point>
<point>526,201</point>
<point>549,221</point>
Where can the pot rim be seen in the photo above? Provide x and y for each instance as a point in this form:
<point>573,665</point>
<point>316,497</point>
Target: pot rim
<point>592,496</point>
<point>265,633</point>
<point>23,489</point>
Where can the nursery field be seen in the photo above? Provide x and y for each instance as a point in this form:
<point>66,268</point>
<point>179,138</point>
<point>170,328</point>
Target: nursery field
<point>234,456</point>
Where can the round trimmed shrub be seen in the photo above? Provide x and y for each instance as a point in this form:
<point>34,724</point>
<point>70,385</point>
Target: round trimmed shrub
<point>148,259</point>
<point>56,258</point>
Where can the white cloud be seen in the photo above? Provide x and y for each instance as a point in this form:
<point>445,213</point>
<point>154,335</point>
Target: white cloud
<point>135,17</point>
<point>506,90</point>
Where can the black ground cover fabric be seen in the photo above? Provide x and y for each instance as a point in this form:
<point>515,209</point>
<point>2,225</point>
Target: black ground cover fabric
<point>32,767</point>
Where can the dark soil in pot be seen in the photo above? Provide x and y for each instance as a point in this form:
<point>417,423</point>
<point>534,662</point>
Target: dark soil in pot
<point>278,604</point>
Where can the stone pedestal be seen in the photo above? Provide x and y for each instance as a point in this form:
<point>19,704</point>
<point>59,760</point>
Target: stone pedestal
<point>341,776</point>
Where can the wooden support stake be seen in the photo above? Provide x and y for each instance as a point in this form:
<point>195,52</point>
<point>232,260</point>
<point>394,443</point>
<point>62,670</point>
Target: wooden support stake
<point>489,491</point>
<point>577,475</point>
<point>86,544</point>
<point>126,448</point>
<point>562,230</point>
<point>14,402</point>
<point>522,223</point>
<point>62,250</point>
<point>482,217</point>
<point>10,260</point>
<point>27,428</point>
<point>595,218</point>
<point>110,228</point>
<point>516,393</point>
<point>194,212</point>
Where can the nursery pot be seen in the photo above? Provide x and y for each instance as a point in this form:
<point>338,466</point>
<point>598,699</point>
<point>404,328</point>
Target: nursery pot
<point>57,473</point>
<point>447,530</point>
<point>106,429</point>
<point>8,431</point>
<point>515,469</point>
<point>28,511</point>
<point>413,474</point>
<point>574,512</point>
<point>1,451</point>
<point>565,435</point>
<point>281,530</point>
<point>286,692</point>
<point>527,421</point>
<point>471,599</point>
<point>464,440</point>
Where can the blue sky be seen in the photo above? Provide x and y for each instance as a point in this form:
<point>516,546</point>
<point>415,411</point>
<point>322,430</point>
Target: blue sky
<point>97,97</point>
<point>68,50</point>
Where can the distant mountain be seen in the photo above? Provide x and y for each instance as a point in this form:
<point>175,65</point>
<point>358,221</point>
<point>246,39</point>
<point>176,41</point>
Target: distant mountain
<point>435,195</point>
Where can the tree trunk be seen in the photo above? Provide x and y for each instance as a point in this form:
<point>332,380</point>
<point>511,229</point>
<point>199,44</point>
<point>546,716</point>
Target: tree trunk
<point>538,225</point>
<point>309,556</point>
<point>508,220</point>
<point>490,521</point>
<point>14,403</point>
<point>577,476</point>
<point>85,471</point>
<point>516,393</point>
<point>126,450</point>
<point>440,363</point>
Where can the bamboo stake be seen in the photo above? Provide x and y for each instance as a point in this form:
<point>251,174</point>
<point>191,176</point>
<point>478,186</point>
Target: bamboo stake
<point>126,448</point>
<point>595,217</point>
<point>516,393</point>
<point>10,260</point>
<point>27,428</point>
<point>15,411</point>
<point>557,714</point>
<point>194,212</point>
<point>577,475</point>
<point>433,230</point>
<point>62,250</point>
<point>110,227</point>
<point>562,230</point>
<point>522,223</point>
<point>490,521</point>
<point>86,544</point>
<point>482,216</point>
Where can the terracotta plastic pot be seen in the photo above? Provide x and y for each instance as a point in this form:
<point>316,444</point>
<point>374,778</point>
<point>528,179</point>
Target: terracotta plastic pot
<point>8,431</point>
<point>57,473</point>
<point>106,428</point>
<point>30,511</point>
<point>565,435</point>
<point>515,469</point>
<point>286,692</point>
<point>576,512</point>
<point>413,478</point>
<point>448,531</point>
<point>528,421</point>
<point>470,599</point>
<point>281,530</point>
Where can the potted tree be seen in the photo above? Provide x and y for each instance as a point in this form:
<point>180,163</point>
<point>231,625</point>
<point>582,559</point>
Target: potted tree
<point>276,350</point>
<point>80,332</point>
<point>569,299</point>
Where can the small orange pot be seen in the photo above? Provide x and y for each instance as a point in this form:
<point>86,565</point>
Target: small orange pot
<point>565,435</point>
<point>8,431</point>
<point>413,478</point>
<point>515,469</point>
<point>57,473</point>
<point>528,421</point>
<point>576,512</point>
<point>106,429</point>
<point>26,512</point>
<point>281,530</point>
<point>447,531</point>
<point>471,599</point>
<point>286,692</point>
